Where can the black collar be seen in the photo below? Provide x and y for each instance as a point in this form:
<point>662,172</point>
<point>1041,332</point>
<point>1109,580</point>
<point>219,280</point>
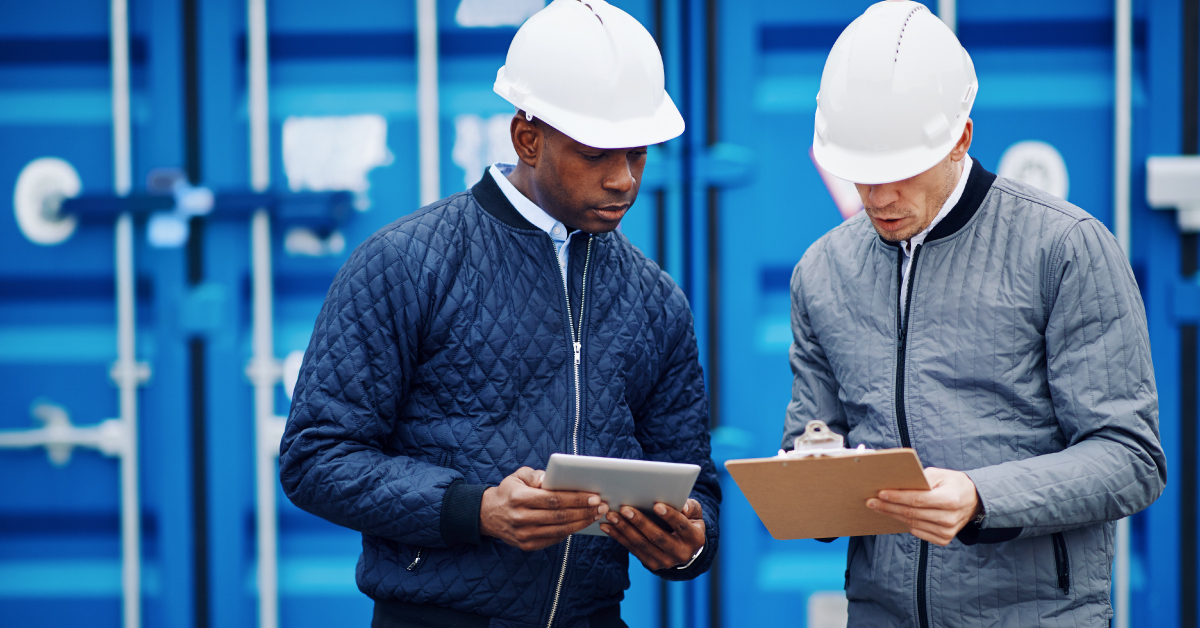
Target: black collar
<point>979,181</point>
<point>489,196</point>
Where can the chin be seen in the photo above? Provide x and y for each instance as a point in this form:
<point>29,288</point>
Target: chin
<point>895,237</point>
<point>601,228</point>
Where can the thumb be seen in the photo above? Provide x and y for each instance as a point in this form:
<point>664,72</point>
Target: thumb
<point>935,476</point>
<point>530,477</point>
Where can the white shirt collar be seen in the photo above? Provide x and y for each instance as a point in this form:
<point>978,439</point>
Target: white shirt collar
<point>955,196</point>
<point>527,208</point>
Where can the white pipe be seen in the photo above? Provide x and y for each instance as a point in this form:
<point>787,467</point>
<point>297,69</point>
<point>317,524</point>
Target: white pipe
<point>427,102</point>
<point>119,44</point>
<point>264,372</point>
<point>264,368</point>
<point>1121,576</point>
<point>948,11</point>
<point>60,437</point>
<point>260,144</point>
<point>127,375</point>
<point>1122,149</point>
<point>126,371</point>
<point>1123,121</point>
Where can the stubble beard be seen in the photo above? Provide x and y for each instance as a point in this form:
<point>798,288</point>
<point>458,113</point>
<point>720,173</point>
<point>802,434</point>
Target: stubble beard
<point>943,192</point>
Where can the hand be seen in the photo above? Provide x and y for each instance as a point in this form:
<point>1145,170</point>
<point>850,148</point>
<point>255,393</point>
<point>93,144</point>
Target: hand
<point>522,514</point>
<point>655,547</point>
<point>935,515</point>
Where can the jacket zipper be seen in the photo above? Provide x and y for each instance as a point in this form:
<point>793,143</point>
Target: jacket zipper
<point>901,417</point>
<point>577,346</point>
<point>1062,562</point>
<point>416,560</point>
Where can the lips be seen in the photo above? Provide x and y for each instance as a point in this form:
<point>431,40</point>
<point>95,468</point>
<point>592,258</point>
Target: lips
<point>888,223</point>
<point>611,213</point>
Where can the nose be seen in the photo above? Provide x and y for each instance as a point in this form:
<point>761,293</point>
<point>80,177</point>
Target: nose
<point>620,179</point>
<point>882,195</point>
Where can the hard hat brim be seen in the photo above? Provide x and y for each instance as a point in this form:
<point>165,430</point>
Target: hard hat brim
<point>665,124</point>
<point>876,167</point>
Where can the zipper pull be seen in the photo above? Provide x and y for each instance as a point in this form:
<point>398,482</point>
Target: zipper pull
<point>578,347</point>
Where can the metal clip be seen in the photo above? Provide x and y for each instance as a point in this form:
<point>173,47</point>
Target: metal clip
<point>818,437</point>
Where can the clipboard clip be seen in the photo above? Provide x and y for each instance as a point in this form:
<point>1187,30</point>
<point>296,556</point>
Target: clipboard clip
<point>818,437</point>
<point>819,440</point>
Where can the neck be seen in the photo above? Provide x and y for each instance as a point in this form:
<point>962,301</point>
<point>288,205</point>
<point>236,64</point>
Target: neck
<point>958,167</point>
<point>522,178</point>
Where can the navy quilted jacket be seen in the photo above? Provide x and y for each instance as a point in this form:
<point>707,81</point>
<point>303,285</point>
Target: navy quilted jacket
<point>442,361</point>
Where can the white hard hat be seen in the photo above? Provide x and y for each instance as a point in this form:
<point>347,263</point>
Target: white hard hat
<point>895,95</point>
<point>593,72</point>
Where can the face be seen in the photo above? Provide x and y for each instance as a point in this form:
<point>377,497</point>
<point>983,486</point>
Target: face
<point>902,209</point>
<point>580,186</point>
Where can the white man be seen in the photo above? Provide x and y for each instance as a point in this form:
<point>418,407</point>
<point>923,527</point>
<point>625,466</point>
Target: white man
<point>995,329</point>
<point>465,343</point>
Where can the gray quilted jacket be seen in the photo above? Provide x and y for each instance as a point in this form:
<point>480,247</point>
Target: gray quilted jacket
<point>1024,361</point>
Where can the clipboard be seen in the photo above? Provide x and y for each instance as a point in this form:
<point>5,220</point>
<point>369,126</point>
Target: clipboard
<point>822,496</point>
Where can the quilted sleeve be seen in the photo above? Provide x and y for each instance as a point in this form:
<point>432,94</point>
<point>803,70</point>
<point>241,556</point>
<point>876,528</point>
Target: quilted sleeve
<point>334,460</point>
<point>1102,388</point>
<point>672,424</point>
<point>814,388</point>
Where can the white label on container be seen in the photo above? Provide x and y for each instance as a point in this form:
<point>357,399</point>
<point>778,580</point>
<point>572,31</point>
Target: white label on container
<point>334,153</point>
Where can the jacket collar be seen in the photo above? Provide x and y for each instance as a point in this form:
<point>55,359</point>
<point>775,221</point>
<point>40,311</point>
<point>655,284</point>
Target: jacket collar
<point>489,196</point>
<point>979,181</point>
<point>492,199</point>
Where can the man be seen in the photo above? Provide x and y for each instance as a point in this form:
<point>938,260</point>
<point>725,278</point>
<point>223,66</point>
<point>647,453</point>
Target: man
<point>995,329</point>
<point>462,345</point>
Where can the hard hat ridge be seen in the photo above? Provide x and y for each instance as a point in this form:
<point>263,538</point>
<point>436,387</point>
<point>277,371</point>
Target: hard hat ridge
<point>895,95</point>
<point>593,72</point>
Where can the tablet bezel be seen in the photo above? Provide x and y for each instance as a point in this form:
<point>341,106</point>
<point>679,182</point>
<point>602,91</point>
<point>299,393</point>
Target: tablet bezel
<point>622,482</point>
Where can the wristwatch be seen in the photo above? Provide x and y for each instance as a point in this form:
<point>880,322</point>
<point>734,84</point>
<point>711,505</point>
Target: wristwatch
<point>978,520</point>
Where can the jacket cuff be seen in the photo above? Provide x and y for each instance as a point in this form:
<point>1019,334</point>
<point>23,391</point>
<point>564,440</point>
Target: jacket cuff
<point>701,563</point>
<point>972,534</point>
<point>460,513</point>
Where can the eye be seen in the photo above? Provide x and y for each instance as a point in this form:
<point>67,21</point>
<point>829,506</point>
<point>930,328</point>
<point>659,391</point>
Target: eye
<point>637,154</point>
<point>592,156</point>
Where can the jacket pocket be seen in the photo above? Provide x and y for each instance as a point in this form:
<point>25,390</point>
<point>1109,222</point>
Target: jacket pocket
<point>1062,561</point>
<point>444,459</point>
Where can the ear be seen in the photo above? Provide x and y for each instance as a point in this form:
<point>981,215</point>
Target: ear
<point>960,149</point>
<point>527,138</point>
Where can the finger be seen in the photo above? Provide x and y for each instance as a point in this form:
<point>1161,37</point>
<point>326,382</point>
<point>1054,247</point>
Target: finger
<point>537,537</point>
<point>559,532</point>
<point>937,533</point>
<point>685,528</point>
<point>910,515</point>
<point>664,540</point>
<point>693,510</point>
<point>940,531</point>
<point>937,538</point>
<point>627,535</point>
<point>922,499</point>
<point>526,517</point>
<point>553,500</point>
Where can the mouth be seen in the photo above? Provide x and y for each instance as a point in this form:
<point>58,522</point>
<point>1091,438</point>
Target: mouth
<point>611,213</point>
<point>888,224</point>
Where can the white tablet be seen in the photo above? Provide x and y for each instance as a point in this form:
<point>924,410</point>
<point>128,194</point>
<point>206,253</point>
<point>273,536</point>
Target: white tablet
<point>620,482</point>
